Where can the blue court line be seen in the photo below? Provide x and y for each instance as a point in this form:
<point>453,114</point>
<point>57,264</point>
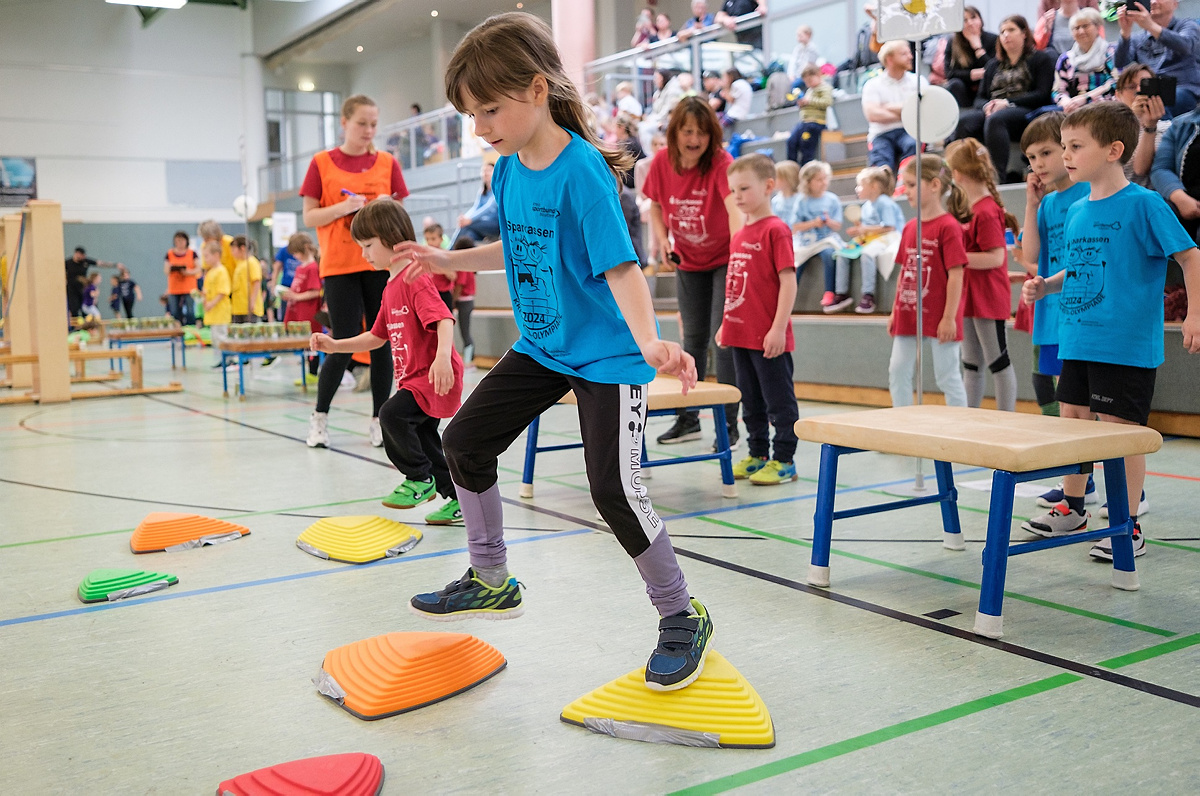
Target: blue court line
<point>20,620</point>
<point>810,496</point>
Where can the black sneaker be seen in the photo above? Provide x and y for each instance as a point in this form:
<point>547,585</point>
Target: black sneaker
<point>469,596</point>
<point>686,429</point>
<point>733,440</point>
<point>683,642</point>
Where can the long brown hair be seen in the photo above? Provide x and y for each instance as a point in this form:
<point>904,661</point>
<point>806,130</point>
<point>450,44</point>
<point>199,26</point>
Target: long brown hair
<point>701,112</point>
<point>961,52</point>
<point>969,157</point>
<point>1023,25</point>
<point>502,56</point>
<point>934,168</point>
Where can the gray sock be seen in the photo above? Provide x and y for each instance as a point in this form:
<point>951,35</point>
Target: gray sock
<point>483,514</point>
<point>492,576</point>
<point>664,581</point>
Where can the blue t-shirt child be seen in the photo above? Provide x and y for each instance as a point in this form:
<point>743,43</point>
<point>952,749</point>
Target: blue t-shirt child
<point>883,212</point>
<point>788,209</point>
<point>1111,303</point>
<point>562,228</point>
<point>810,208</point>
<point>289,262</point>
<point>1052,215</point>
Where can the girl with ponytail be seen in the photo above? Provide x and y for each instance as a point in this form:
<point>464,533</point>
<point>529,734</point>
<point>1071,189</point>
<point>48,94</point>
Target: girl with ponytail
<point>987,297</point>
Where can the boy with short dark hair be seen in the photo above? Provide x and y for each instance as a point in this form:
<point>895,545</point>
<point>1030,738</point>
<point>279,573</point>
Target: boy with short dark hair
<point>1110,336</point>
<point>760,288</point>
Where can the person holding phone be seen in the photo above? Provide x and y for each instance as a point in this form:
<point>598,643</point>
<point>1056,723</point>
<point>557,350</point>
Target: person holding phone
<point>1168,45</point>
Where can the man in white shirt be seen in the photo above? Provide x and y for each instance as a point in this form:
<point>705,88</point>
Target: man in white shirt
<point>883,98</point>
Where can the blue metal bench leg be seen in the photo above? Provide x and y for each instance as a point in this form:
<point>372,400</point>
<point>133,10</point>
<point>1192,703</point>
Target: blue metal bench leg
<point>989,621</point>
<point>224,374</point>
<point>818,568</point>
<point>241,376</point>
<point>531,435</point>
<point>172,353</point>
<point>952,538</point>
<point>728,485</point>
<point>1115,489</point>
<point>182,353</point>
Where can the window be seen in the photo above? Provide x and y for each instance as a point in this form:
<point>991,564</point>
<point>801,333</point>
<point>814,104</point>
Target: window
<point>301,122</point>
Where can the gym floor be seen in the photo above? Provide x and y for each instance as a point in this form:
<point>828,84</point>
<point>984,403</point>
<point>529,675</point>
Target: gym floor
<point>876,685</point>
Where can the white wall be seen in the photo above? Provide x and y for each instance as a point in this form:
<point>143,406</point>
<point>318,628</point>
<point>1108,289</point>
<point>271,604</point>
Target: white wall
<point>276,24</point>
<point>396,79</point>
<point>104,104</point>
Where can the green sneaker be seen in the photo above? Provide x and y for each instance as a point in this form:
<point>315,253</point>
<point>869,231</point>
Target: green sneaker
<point>748,467</point>
<point>774,473</point>
<point>449,514</point>
<point>683,642</point>
<point>411,493</point>
<point>467,597</point>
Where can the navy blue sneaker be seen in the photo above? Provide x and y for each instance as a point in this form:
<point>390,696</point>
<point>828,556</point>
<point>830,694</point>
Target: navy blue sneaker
<point>1142,507</point>
<point>683,642</point>
<point>1056,495</point>
<point>470,597</point>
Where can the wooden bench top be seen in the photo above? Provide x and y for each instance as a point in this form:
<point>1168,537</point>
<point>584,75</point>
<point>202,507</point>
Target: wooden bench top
<point>139,334</point>
<point>664,394</point>
<point>262,345</point>
<point>980,437</point>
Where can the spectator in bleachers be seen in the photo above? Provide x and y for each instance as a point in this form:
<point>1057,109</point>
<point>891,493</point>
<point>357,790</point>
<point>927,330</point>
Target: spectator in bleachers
<point>625,101</point>
<point>732,9</point>
<point>1086,71</point>
<point>737,94</point>
<point>883,97</point>
<point>803,54</point>
<point>643,29</point>
<point>864,56</point>
<point>1150,114</point>
<point>818,220</point>
<point>669,88</point>
<point>1167,45</point>
<point>1017,82</point>
<point>662,27</point>
<point>713,84</point>
<point>627,139</point>
<point>482,221</point>
<point>699,20</point>
<point>1176,170</point>
<point>967,57</point>
<point>804,144</point>
<point>1052,30</point>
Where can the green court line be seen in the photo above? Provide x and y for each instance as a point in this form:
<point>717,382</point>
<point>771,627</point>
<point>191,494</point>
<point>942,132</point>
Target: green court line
<point>950,579</point>
<point>229,517</point>
<point>1173,546</point>
<point>1183,642</point>
<point>839,748</point>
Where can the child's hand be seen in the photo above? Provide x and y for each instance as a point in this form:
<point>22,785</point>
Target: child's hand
<point>1033,289</point>
<point>947,330</point>
<point>422,260</point>
<point>441,375</point>
<point>774,343</point>
<point>891,325</point>
<point>671,360</point>
<point>854,231</point>
<point>1191,333</point>
<point>321,342</point>
<point>1034,190</point>
<point>833,224</point>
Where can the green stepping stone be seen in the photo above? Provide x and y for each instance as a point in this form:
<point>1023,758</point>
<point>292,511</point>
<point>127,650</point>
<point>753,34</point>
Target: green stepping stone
<point>102,585</point>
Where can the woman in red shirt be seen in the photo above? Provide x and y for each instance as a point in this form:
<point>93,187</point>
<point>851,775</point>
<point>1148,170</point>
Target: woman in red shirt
<point>338,183</point>
<point>689,198</point>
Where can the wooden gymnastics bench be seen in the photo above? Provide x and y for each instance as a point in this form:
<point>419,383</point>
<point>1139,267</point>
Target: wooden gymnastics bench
<point>1018,447</point>
<point>663,397</point>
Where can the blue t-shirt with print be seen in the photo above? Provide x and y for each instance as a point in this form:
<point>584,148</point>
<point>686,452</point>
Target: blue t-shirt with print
<point>1052,215</point>
<point>883,211</point>
<point>788,209</point>
<point>289,263</point>
<point>1111,305</point>
<point>810,208</point>
<point>562,228</point>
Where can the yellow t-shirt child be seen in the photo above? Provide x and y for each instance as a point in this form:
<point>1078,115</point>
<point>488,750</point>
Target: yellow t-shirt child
<point>244,273</point>
<point>216,283</point>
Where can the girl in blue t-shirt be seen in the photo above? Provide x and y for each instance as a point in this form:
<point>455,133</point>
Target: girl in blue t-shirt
<point>818,220</point>
<point>586,324</point>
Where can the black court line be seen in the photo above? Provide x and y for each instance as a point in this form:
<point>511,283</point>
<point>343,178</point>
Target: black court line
<point>120,497</point>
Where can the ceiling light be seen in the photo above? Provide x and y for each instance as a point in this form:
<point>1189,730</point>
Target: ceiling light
<point>151,3</point>
<point>306,85</point>
<point>433,13</point>
<point>359,48</point>
<point>520,5</point>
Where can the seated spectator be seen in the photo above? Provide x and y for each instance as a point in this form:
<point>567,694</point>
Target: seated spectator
<point>625,101</point>
<point>713,83</point>
<point>662,27</point>
<point>1017,82</point>
<point>738,95</point>
<point>1168,45</point>
<point>1085,72</point>
<point>883,98</point>
<point>732,9</point>
<point>969,53</point>
<point>482,221</point>
<point>627,139</point>
<point>699,20</point>
<point>1176,170</point>
<point>804,144</point>
<point>1149,112</point>
<point>1052,30</point>
<point>669,88</point>
<point>803,54</point>
<point>643,30</point>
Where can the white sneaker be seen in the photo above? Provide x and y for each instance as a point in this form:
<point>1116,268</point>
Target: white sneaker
<point>1143,506</point>
<point>376,433</point>
<point>318,433</point>
<point>347,380</point>
<point>1103,548</point>
<point>1061,521</point>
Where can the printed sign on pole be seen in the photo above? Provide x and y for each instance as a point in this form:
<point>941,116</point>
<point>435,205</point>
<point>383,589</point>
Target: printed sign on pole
<point>916,20</point>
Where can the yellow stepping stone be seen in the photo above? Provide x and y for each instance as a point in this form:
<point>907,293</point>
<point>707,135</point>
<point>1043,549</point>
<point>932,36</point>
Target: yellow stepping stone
<point>358,539</point>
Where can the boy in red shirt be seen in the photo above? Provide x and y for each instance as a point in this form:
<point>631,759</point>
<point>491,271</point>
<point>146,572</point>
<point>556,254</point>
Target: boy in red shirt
<point>760,289</point>
<point>429,372</point>
<point>304,296</point>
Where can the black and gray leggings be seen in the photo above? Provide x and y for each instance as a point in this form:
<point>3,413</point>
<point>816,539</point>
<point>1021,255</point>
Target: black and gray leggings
<point>351,300</point>
<point>985,343</point>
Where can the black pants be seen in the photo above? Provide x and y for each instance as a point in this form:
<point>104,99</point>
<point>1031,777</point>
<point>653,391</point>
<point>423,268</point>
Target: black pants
<point>127,303</point>
<point>352,299</point>
<point>768,399</point>
<point>412,443</point>
<point>997,132</point>
<point>465,307</point>
<point>701,307</point>
<point>611,420</point>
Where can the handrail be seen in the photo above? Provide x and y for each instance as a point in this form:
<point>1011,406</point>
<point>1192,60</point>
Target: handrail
<point>675,44</point>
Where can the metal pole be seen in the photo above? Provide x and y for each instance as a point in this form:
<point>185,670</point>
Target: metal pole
<point>919,483</point>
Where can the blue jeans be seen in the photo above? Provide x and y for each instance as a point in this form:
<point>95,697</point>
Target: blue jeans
<point>179,305</point>
<point>826,256</point>
<point>842,282</point>
<point>903,365</point>
<point>804,143</point>
<point>888,149</point>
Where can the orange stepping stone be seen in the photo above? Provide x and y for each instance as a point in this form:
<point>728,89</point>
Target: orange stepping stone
<point>398,672</point>
<point>164,530</point>
<point>355,774</point>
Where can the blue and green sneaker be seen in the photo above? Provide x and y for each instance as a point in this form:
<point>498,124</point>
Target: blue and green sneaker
<point>683,642</point>
<point>449,514</point>
<point>411,493</point>
<point>469,596</point>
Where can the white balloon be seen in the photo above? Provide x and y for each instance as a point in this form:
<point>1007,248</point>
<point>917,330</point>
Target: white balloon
<point>939,114</point>
<point>245,206</point>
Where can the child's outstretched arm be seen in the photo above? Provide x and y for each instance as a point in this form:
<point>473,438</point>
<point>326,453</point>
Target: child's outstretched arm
<point>430,260</point>
<point>1189,261</point>
<point>441,372</point>
<point>350,345</point>
<point>776,339</point>
<point>1031,237</point>
<point>632,295</point>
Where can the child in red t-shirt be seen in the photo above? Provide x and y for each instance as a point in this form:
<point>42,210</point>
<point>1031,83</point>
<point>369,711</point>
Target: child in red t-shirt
<point>304,296</point>
<point>760,288</point>
<point>987,297</point>
<point>462,295</point>
<point>429,371</point>
<point>942,279</point>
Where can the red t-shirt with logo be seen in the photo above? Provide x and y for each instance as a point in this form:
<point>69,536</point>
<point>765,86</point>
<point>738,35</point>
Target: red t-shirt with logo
<point>943,245</point>
<point>307,277</point>
<point>758,254</point>
<point>693,207</point>
<point>408,318</point>
<point>986,294</point>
